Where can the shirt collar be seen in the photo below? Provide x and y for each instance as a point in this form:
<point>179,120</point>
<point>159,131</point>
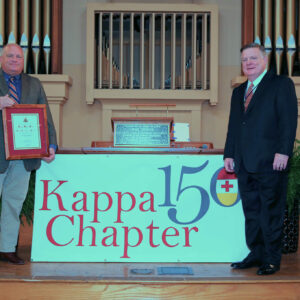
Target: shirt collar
<point>6,76</point>
<point>258,79</point>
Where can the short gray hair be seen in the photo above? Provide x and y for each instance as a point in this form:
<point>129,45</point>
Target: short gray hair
<point>254,45</point>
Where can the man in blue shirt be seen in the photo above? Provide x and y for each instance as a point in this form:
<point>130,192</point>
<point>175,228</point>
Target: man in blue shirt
<point>17,88</point>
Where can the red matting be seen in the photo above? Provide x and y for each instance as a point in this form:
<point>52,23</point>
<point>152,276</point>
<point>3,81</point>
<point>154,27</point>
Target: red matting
<point>11,152</point>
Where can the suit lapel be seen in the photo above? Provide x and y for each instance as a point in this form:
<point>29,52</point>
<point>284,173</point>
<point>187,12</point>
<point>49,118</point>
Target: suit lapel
<point>242,92</point>
<point>25,90</point>
<point>3,85</point>
<point>259,90</point>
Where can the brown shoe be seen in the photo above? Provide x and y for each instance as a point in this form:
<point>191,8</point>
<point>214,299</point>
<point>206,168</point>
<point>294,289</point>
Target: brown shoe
<point>12,258</point>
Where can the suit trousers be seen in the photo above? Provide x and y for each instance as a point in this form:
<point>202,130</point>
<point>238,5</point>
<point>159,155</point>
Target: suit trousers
<point>263,199</point>
<point>13,188</point>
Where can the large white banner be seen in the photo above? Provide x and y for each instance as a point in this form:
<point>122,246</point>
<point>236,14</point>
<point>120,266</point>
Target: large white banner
<point>137,208</point>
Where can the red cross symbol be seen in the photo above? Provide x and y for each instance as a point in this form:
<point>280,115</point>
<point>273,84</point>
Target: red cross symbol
<point>227,186</point>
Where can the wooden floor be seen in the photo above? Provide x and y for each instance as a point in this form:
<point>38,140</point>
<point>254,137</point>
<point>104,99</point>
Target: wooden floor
<point>126,281</point>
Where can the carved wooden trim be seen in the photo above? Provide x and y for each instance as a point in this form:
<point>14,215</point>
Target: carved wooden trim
<point>247,21</point>
<point>57,92</point>
<point>56,60</point>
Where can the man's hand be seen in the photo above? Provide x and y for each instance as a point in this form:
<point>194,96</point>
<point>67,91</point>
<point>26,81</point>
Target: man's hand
<point>280,162</point>
<point>229,165</point>
<point>6,101</point>
<point>51,156</point>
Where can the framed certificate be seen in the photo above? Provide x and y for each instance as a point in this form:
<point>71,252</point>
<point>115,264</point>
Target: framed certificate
<point>25,131</point>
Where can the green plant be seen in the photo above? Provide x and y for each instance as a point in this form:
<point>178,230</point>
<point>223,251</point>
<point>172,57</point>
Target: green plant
<point>28,206</point>
<point>293,189</point>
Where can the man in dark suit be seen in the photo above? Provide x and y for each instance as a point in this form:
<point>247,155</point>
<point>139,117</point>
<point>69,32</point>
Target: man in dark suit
<point>14,174</point>
<point>261,133</point>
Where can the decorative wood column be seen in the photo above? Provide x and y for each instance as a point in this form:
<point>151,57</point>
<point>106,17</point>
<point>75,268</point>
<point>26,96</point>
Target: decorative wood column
<point>57,91</point>
<point>247,21</point>
<point>56,62</point>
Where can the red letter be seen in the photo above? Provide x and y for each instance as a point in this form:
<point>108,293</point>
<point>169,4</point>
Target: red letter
<point>96,209</point>
<point>81,229</point>
<point>120,209</point>
<point>126,243</point>
<point>83,200</point>
<point>47,194</point>
<point>151,202</point>
<point>49,230</point>
<point>164,235</point>
<point>187,235</point>
<point>151,228</point>
<point>113,235</point>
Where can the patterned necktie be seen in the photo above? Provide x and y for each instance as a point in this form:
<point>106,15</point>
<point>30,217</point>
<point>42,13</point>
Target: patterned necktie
<point>248,96</point>
<point>12,89</point>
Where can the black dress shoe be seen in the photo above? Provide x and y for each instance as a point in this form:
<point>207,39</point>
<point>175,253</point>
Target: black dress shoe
<point>245,264</point>
<point>12,258</point>
<point>267,269</point>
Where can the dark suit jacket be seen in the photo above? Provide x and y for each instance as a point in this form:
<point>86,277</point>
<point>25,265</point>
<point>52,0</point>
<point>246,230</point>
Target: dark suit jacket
<point>268,126</point>
<point>32,93</point>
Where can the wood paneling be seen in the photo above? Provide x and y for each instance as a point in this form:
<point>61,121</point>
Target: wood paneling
<point>56,59</point>
<point>247,21</point>
<point>139,290</point>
